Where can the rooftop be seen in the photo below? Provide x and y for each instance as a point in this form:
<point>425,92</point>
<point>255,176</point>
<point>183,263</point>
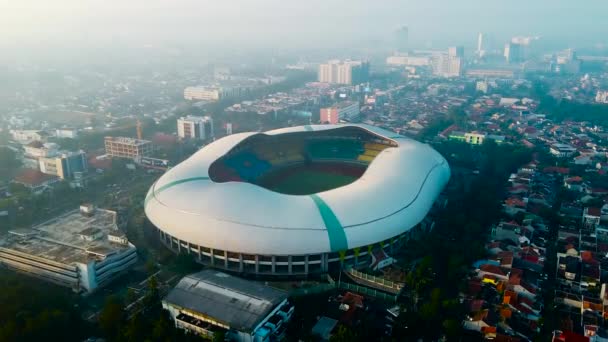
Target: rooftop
<point>61,238</point>
<point>33,177</point>
<point>238,303</point>
<point>127,140</point>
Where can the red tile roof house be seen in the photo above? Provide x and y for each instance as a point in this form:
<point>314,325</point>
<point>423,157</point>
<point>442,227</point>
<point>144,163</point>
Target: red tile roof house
<point>491,270</point>
<point>513,205</point>
<point>35,180</point>
<point>574,183</point>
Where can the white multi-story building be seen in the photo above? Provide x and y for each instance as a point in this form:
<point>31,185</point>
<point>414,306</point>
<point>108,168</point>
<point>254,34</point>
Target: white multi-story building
<point>64,165</point>
<point>562,150</point>
<point>195,127</point>
<point>27,136</point>
<point>344,72</point>
<point>447,65</point>
<point>405,60</point>
<point>601,97</point>
<point>66,133</point>
<point>82,249</point>
<point>202,93</point>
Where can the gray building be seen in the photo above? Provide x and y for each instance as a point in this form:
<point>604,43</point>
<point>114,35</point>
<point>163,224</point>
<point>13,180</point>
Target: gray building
<point>212,301</point>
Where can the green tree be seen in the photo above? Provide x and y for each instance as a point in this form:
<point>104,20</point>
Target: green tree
<point>111,317</point>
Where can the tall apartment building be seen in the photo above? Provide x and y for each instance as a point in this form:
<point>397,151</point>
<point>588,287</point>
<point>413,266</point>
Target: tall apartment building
<point>346,110</point>
<point>64,164</point>
<point>82,249</point>
<point>124,147</point>
<point>513,52</point>
<point>195,127</point>
<point>447,65</point>
<point>344,72</point>
<point>456,51</point>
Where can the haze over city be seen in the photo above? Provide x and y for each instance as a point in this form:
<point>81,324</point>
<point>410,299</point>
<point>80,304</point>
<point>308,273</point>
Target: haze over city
<point>73,25</point>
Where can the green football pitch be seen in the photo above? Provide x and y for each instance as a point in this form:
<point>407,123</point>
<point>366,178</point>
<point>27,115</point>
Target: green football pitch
<point>305,182</point>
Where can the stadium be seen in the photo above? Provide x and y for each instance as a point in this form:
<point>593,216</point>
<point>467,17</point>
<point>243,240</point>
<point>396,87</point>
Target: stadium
<point>298,200</point>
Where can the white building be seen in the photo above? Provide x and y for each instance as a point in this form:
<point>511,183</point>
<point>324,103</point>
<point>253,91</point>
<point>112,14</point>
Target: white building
<point>64,165</point>
<point>344,72</point>
<point>195,127</point>
<point>482,86</point>
<point>406,60</point>
<point>71,133</point>
<point>562,150</point>
<point>448,65</point>
<point>601,97</point>
<point>78,249</point>
<point>202,93</point>
<point>211,301</point>
<point>27,136</point>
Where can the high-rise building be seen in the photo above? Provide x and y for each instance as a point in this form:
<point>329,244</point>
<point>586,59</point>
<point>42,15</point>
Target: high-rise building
<point>513,52</point>
<point>64,165</point>
<point>402,39</point>
<point>456,51</point>
<point>195,127</point>
<point>480,45</point>
<point>447,65</point>
<point>344,72</point>
<point>346,110</point>
<point>123,147</point>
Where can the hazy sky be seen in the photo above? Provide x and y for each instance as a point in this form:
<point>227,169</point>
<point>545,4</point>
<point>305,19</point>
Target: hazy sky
<point>289,23</point>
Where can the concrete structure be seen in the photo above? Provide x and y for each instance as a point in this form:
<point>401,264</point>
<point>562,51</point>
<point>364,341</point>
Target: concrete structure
<point>344,72</point>
<point>406,60</point>
<point>123,147</point>
<point>480,45</point>
<point>447,65</point>
<point>195,127</point>
<point>211,301</point>
<point>601,97</point>
<point>562,150</point>
<point>64,165</point>
<point>36,181</point>
<point>482,86</point>
<point>456,51</point>
<point>346,110</point>
<point>246,228</point>
<point>202,93</point>
<point>71,133</point>
<point>513,53</point>
<point>27,136</point>
<point>82,249</point>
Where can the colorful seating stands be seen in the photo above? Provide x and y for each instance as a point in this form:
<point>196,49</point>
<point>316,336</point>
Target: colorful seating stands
<point>254,161</point>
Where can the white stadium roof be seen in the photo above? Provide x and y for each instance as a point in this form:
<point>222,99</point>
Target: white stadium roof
<point>392,196</point>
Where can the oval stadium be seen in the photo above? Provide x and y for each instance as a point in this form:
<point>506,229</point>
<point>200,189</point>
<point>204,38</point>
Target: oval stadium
<point>298,200</point>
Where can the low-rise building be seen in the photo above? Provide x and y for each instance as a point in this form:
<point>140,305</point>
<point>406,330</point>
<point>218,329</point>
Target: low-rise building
<point>211,301</point>
<point>562,150</point>
<point>35,180</point>
<point>82,249</point>
<point>346,110</point>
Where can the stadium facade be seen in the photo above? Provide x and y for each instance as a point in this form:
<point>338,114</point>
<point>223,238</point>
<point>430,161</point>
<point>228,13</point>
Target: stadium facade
<point>214,206</point>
